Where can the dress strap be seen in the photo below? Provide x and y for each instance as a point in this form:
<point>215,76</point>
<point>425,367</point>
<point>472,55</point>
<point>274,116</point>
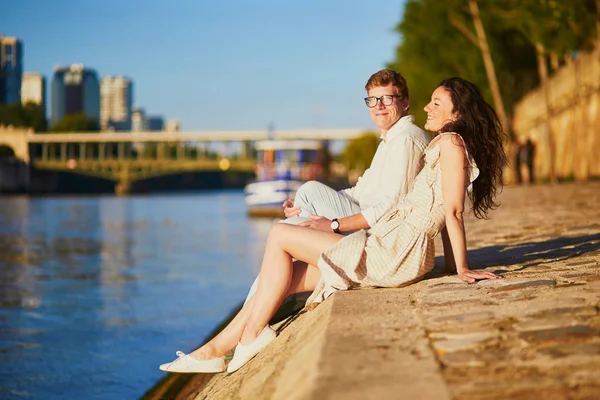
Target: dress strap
<point>473,169</point>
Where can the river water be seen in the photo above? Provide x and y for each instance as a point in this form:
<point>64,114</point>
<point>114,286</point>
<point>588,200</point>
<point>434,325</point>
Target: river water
<point>96,292</point>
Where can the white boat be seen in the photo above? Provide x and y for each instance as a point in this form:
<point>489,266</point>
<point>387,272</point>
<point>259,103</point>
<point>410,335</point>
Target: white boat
<point>282,166</point>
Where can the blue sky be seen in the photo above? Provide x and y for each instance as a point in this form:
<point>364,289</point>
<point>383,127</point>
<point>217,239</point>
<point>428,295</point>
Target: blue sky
<point>220,64</point>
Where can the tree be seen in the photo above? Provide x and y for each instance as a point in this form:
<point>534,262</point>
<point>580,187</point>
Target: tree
<point>430,52</point>
<point>488,62</point>
<point>76,123</point>
<point>553,28</point>
<point>481,41</point>
<point>30,115</point>
<point>440,40</point>
<point>359,152</point>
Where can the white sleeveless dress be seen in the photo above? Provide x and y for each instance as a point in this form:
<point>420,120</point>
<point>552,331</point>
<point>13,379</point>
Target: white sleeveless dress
<point>399,249</point>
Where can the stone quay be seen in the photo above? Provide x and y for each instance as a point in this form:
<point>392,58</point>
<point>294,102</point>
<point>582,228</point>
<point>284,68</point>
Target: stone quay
<point>533,334</point>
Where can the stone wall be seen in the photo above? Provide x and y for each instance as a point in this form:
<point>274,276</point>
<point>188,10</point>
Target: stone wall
<point>573,138</point>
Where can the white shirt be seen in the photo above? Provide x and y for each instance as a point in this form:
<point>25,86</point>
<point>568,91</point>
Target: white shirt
<point>397,161</point>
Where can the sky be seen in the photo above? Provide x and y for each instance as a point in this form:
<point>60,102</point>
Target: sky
<point>220,65</point>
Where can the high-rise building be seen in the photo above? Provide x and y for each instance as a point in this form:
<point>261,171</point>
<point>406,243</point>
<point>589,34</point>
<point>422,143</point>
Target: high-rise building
<point>154,123</point>
<point>116,101</point>
<point>33,88</point>
<point>172,125</point>
<point>11,69</point>
<point>75,89</point>
<point>140,122</point>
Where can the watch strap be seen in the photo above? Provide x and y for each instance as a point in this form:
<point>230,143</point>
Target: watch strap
<point>336,230</point>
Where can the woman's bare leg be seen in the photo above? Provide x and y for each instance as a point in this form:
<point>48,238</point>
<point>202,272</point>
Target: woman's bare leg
<point>252,290</point>
<point>227,338</point>
<point>284,243</point>
<point>304,279</point>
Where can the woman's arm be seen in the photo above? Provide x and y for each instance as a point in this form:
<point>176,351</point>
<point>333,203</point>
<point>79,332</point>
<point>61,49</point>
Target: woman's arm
<point>449,264</point>
<point>454,182</point>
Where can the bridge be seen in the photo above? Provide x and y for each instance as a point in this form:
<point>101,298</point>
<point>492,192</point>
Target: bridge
<point>127,157</point>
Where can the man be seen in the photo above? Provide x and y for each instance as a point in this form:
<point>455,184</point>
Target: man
<point>397,161</point>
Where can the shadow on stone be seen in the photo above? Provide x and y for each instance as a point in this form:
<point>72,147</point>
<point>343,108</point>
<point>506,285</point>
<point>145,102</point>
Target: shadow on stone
<point>533,253</point>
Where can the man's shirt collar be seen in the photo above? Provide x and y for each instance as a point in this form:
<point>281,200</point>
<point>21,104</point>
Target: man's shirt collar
<point>397,128</point>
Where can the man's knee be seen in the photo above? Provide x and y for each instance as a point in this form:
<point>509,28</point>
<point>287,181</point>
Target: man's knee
<point>307,192</point>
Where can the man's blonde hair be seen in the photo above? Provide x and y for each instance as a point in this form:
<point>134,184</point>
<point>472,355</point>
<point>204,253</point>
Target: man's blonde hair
<point>385,77</point>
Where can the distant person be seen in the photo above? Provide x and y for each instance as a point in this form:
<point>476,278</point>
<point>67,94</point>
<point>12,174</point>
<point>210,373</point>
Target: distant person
<point>464,159</point>
<point>396,163</point>
<point>519,156</point>
<point>529,153</point>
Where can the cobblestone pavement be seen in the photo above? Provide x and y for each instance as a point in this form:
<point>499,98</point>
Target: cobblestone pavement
<point>535,333</point>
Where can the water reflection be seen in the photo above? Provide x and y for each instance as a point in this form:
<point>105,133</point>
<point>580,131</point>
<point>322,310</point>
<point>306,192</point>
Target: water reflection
<point>96,292</point>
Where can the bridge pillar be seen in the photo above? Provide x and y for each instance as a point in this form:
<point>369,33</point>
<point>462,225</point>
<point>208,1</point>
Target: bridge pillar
<point>160,151</point>
<point>123,185</point>
<point>16,139</point>
<point>246,150</point>
<point>120,150</point>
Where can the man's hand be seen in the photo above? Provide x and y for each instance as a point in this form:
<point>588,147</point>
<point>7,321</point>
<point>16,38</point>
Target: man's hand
<point>470,276</point>
<point>320,223</point>
<point>289,210</point>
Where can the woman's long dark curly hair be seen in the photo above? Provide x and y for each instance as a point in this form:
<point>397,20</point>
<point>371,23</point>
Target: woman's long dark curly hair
<point>479,126</point>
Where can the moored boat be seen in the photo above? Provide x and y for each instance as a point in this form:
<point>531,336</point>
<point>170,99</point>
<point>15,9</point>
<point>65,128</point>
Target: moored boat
<point>282,166</point>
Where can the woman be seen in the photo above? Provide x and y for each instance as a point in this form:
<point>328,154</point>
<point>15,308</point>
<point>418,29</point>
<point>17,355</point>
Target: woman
<point>466,153</point>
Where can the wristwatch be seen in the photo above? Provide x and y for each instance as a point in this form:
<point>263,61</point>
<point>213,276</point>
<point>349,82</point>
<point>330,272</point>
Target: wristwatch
<point>335,225</point>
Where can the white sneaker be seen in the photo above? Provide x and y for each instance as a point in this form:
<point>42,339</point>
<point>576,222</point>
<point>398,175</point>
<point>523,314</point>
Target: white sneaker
<point>243,354</point>
<point>187,364</point>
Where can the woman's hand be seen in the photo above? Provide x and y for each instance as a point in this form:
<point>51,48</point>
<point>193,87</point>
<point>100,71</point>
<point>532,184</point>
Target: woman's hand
<point>470,276</point>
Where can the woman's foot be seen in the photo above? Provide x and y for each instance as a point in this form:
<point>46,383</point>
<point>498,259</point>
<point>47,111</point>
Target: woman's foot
<point>186,364</point>
<point>244,353</point>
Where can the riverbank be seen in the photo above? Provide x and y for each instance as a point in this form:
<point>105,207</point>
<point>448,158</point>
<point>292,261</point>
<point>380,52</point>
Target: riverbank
<point>535,333</point>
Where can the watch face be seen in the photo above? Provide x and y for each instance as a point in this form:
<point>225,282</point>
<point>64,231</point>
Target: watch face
<point>335,225</point>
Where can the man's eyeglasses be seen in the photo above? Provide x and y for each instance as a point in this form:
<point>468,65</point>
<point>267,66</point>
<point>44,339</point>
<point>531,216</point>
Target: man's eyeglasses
<point>386,100</point>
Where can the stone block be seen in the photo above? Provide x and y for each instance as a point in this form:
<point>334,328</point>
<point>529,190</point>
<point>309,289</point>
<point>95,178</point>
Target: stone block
<point>448,342</point>
<point>560,334</point>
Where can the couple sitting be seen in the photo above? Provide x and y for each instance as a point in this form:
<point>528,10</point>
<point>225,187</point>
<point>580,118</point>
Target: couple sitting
<point>413,191</point>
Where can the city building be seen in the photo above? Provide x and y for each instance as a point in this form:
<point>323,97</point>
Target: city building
<point>116,100</point>
<point>11,69</point>
<point>75,89</point>
<point>154,123</point>
<point>172,125</point>
<point>33,88</point>
<point>140,122</point>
